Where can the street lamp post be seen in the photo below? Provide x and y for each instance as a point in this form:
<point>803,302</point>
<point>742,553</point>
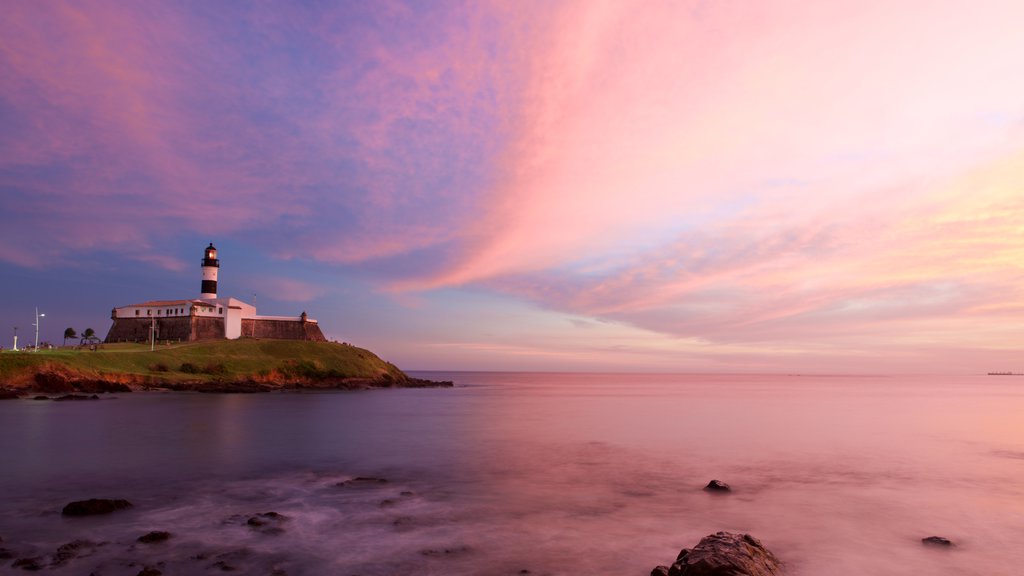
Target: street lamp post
<point>38,316</point>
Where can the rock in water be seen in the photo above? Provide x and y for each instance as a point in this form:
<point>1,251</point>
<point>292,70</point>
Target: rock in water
<point>154,537</point>
<point>717,486</point>
<point>723,554</point>
<point>936,541</point>
<point>94,506</point>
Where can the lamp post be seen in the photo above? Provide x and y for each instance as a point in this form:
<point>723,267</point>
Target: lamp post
<point>38,316</point>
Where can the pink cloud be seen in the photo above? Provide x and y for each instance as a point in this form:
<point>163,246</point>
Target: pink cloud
<point>640,123</point>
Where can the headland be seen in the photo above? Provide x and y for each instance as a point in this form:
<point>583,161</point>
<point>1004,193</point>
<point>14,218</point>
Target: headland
<point>243,365</point>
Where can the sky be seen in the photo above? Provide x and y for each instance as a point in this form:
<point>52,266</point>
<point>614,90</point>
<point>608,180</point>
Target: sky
<point>657,186</point>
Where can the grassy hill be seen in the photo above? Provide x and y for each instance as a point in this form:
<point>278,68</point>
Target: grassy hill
<point>268,363</point>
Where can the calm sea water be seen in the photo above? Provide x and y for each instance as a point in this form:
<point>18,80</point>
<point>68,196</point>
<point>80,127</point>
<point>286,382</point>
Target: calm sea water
<point>550,473</point>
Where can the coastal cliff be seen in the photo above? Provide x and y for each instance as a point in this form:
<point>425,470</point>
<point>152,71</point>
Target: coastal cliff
<point>245,365</point>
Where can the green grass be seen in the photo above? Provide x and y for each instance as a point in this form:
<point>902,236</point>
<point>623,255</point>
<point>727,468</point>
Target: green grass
<point>206,361</point>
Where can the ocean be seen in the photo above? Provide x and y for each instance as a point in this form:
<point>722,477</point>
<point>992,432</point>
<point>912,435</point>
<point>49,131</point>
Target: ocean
<point>525,473</point>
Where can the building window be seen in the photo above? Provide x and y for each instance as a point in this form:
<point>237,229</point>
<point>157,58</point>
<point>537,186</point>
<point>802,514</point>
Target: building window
<point>136,311</point>
<point>220,310</point>
<point>149,312</point>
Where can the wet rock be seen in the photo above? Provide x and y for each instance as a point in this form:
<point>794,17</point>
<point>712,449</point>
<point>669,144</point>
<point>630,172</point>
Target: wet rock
<point>936,541</point>
<point>718,486</point>
<point>362,481</point>
<point>8,394</point>
<point>94,506</point>
<point>267,522</point>
<point>72,550</point>
<point>723,554</point>
<point>99,386</point>
<point>434,552</point>
<point>237,387</point>
<point>33,564</point>
<point>265,518</point>
<point>154,537</point>
<point>41,398</point>
<point>67,397</point>
<point>150,571</point>
<point>6,554</point>
<point>223,566</point>
<point>52,382</point>
<point>422,383</point>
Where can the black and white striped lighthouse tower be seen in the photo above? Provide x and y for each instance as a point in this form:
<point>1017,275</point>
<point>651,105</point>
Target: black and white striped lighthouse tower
<point>210,266</point>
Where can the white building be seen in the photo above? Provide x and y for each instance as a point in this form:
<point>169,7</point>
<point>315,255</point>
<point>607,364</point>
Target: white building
<point>206,317</point>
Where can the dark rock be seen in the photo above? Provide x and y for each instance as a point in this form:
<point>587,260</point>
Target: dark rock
<point>94,506</point>
<point>41,398</point>
<point>936,541</point>
<point>149,571</point>
<point>154,537</point>
<point>100,386</point>
<point>71,550</point>
<point>75,397</point>
<point>8,395</point>
<point>265,518</point>
<point>444,551</point>
<point>35,563</point>
<point>362,481</point>
<point>223,566</point>
<point>238,387</point>
<point>267,522</point>
<point>52,382</point>
<point>423,383</point>
<point>6,554</point>
<point>718,486</point>
<point>723,554</point>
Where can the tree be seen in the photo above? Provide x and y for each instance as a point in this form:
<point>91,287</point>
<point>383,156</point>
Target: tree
<point>89,333</point>
<point>69,333</point>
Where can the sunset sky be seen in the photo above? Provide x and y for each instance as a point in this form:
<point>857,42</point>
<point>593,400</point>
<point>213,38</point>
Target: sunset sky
<point>531,185</point>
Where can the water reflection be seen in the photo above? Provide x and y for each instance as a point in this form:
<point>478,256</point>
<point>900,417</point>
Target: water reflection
<point>552,473</point>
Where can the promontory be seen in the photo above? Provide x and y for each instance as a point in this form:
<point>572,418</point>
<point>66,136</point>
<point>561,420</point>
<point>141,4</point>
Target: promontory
<point>243,365</point>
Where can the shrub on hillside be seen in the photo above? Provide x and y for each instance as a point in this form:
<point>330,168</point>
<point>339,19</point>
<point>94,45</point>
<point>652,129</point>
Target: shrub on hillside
<point>306,369</point>
<point>214,369</point>
<point>188,368</point>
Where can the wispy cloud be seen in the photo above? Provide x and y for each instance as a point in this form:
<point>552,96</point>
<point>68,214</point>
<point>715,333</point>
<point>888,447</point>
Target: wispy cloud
<point>709,180</point>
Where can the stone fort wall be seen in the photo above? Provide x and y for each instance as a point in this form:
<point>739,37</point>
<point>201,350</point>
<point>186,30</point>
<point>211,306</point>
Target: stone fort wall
<point>180,328</point>
<point>282,330</point>
<point>191,328</point>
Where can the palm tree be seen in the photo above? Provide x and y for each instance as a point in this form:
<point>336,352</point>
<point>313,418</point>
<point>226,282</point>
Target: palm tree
<point>69,333</point>
<point>89,333</point>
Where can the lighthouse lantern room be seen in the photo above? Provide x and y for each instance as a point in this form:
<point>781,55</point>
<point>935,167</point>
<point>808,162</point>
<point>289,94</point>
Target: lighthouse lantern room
<point>210,266</point>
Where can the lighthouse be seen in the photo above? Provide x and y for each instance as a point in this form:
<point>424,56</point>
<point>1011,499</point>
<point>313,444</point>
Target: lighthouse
<point>205,318</point>
<point>210,266</point>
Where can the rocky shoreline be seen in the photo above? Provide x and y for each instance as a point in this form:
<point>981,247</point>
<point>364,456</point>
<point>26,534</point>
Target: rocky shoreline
<point>62,383</point>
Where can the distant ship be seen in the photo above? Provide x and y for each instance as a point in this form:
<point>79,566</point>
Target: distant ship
<point>1006,373</point>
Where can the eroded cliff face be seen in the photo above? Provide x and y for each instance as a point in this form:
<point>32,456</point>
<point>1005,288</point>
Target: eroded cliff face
<point>54,379</point>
